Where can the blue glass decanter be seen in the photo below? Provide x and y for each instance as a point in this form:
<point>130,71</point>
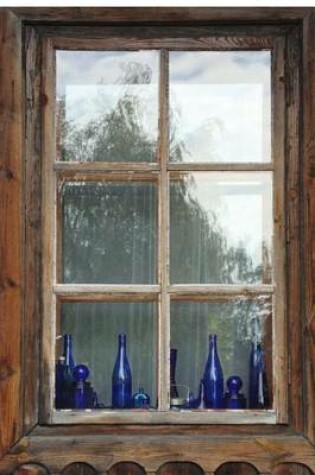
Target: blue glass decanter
<point>122,379</point>
<point>83,394</point>
<point>213,377</point>
<point>233,398</point>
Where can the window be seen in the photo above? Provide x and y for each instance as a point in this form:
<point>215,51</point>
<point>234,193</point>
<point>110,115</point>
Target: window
<point>164,215</point>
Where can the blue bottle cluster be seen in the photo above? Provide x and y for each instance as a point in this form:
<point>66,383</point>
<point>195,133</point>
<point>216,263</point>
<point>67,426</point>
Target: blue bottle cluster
<point>73,391</point>
<point>211,389</point>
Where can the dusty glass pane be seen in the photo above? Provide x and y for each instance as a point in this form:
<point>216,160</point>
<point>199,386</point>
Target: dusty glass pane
<point>109,233</point>
<point>220,106</point>
<point>107,105</point>
<point>221,228</point>
<point>236,323</point>
<point>95,328</point>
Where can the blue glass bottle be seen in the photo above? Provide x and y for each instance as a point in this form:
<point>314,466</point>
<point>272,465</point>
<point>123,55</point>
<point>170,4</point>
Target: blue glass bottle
<point>141,400</point>
<point>69,364</point>
<point>83,394</point>
<point>213,377</point>
<point>122,379</point>
<point>234,399</point>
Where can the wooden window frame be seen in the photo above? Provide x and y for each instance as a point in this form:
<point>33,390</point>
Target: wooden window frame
<point>20,303</point>
<point>55,173</point>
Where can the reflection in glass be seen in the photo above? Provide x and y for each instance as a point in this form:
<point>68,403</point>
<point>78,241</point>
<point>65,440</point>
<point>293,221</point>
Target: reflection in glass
<point>236,323</point>
<point>221,228</point>
<point>107,105</point>
<point>109,233</point>
<point>220,106</point>
<point>95,328</point>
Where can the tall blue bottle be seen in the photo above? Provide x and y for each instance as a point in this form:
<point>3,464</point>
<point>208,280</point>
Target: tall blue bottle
<point>69,364</point>
<point>122,379</point>
<point>213,377</point>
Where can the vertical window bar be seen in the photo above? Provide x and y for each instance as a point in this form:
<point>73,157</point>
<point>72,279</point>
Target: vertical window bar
<point>163,239</point>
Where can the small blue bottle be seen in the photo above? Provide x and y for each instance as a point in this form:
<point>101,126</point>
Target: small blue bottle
<point>122,379</point>
<point>213,377</point>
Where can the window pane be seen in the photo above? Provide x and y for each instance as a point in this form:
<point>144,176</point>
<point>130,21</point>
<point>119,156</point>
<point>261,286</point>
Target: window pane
<point>95,328</point>
<point>237,324</point>
<point>107,105</point>
<point>220,106</point>
<point>109,233</point>
<point>221,228</point>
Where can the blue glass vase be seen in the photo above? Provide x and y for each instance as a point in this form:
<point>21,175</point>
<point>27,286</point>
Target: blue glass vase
<point>122,379</point>
<point>258,397</point>
<point>213,377</point>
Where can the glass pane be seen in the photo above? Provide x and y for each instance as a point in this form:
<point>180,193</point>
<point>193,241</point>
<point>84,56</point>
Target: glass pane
<point>95,328</point>
<point>221,228</point>
<point>220,106</point>
<point>109,233</point>
<point>107,105</point>
<point>236,323</point>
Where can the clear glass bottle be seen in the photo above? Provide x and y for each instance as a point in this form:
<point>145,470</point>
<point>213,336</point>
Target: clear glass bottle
<point>122,379</point>
<point>258,397</point>
<point>213,377</point>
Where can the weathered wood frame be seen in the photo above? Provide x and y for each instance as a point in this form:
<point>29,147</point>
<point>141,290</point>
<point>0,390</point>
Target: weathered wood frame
<point>55,173</point>
<point>19,302</point>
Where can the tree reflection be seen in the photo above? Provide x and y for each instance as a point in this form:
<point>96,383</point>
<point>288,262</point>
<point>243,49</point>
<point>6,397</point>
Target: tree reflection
<point>109,234</point>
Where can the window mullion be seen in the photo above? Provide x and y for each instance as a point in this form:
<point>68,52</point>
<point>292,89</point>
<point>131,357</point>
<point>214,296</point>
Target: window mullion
<point>163,239</point>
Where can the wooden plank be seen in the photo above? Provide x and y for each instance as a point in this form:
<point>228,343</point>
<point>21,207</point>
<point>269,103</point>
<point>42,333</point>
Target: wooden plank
<point>294,223</point>
<point>158,14</point>
<point>220,167</point>
<point>47,370</point>
<point>11,229</point>
<point>186,42</point>
<point>217,290</point>
<point>110,176</point>
<point>105,293</point>
<point>279,323</point>
<point>163,238</point>
<point>152,451</point>
<point>32,228</point>
<point>105,166</point>
<point>309,217</point>
<point>99,416</point>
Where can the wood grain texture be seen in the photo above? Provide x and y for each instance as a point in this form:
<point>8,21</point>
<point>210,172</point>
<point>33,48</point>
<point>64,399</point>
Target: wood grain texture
<point>167,15</point>
<point>151,452</point>
<point>309,223</point>
<point>32,195</point>
<point>293,226</point>
<point>11,234</point>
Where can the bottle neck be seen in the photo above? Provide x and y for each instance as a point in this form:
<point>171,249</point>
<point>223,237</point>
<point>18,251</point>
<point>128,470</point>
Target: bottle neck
<point>122,343</point>
<point>213,343</point>
<point>67,349</point>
